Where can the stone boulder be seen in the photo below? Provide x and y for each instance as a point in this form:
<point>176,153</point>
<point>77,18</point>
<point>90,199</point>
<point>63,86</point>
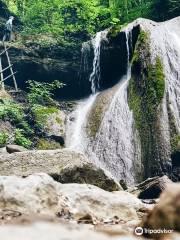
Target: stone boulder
<point>166,214</point>
<point>40,194</point>
<point>55,124</point>
<point>91,204</point>
<point>153,187</point>
<point>34,194</point>
<point>15,148</point>
<point>65,166</point>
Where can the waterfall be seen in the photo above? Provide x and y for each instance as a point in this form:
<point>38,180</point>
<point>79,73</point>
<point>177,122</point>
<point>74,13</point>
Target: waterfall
<point>114,143</point>
<point>96,73</point>
<point>116,147</point>
<point>76,138</point>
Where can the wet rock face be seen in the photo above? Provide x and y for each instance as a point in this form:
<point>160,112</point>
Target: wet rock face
<point>35,62</point>
<point>112,62</point>
<point>114,57</point>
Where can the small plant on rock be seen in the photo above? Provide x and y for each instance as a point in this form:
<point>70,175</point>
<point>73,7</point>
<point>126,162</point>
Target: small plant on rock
<point>21,140</point>
<point>42,93</point>
<point>3,139</point>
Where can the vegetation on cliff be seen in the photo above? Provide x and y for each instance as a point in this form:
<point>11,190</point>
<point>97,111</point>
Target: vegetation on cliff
<point>146,91</point>
<point>28,119</point>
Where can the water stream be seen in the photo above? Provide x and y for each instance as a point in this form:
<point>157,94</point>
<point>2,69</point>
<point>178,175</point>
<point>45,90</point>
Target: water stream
<point>76,138</point>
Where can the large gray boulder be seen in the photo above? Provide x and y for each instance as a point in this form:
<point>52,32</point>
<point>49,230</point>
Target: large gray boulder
<point>40,194</point>
<point>65,166</point>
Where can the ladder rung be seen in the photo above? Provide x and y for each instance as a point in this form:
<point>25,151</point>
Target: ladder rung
<point>9,76</point>
<point>4,51</point>
<point>6,68</point>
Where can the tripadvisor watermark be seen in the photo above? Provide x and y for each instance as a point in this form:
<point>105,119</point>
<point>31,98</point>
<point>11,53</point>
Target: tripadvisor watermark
<point>140,231</point>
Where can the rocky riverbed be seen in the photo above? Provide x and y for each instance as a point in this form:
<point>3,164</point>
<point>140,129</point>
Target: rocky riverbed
<point>40,206</point>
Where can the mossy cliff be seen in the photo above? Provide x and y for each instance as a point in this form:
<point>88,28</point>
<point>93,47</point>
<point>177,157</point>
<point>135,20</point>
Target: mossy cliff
<point>145,94</point>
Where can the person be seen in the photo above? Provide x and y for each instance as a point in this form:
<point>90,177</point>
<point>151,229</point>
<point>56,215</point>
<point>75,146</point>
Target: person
<point>8,29</point>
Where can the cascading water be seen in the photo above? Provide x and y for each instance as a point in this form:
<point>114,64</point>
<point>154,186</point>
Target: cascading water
<point>116,146</point>
<point>76,137</point>
<point>113,148</point>
<point>96,73</point>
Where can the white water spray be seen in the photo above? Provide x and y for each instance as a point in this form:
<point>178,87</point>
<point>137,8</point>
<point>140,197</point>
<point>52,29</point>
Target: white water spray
<point>76,137</point>
<point>96,73</point>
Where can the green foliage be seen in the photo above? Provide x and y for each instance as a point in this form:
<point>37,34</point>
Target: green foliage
<point>21,139</point>
<point>44,144</point>
<point>3,139</point>
<point>14,113</point>
<point>42,93</point>
<point>41,113</point>
<point>78,19</point>
<point>11,111</point>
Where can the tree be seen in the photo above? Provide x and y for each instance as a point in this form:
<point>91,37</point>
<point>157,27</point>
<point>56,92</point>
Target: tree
<point>79,19</point>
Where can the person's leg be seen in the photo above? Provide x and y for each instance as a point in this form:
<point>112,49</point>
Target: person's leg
<point>8,36</point>
<point>4,36</point>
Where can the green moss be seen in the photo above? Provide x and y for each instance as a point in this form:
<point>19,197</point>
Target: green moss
<point>44,144</point>
<point>147,86</point>
<point>143,37</point>
<point>114,31</point>
<point>59,120</point>
<point>175,143</point>
<point>135,103</point>
<point>156,82</point>
<point>97,113</point>
<point>145,94</point>
<point>95,120</point>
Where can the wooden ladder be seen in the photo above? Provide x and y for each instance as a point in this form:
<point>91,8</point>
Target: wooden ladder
<point>9,67</point>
